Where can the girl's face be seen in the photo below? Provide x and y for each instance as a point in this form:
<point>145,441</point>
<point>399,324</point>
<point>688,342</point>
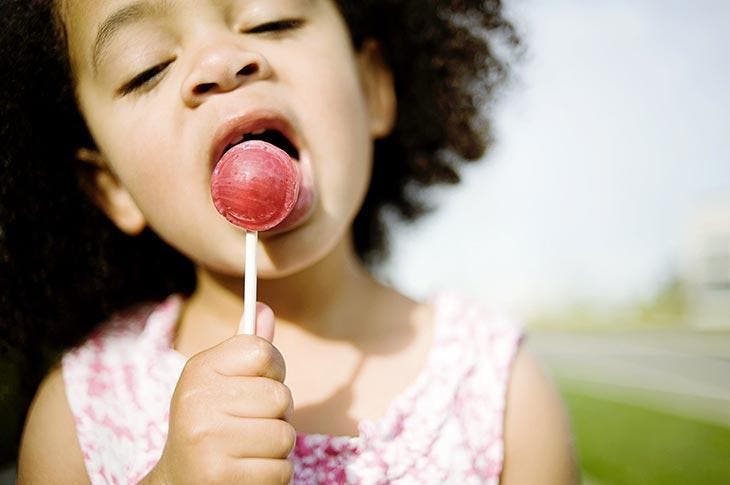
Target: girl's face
<point>165,86</point>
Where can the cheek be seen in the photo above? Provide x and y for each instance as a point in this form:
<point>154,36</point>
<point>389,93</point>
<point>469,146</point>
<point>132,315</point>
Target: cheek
<point>142,165</point>
<point>135,144</point>
<point>159,182</point>
<point>336,120</point>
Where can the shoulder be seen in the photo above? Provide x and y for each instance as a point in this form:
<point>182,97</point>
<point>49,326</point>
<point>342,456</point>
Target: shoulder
<point>81,416</point>
<point>538,442</point>
<point>482,337</point>
<point>49,448</point>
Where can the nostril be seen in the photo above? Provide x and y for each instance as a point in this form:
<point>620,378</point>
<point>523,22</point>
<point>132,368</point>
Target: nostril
<point>223,79</point>
<point>203,88</point>
<point>249,69</point>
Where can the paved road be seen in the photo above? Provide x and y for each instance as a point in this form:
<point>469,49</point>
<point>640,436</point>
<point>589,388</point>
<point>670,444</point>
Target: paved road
<point>683,372</point>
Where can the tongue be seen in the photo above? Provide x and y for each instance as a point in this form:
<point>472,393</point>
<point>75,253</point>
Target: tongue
<point>255,185</point>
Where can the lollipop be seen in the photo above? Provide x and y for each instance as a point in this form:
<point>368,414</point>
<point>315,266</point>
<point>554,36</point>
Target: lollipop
<point>254,186</point>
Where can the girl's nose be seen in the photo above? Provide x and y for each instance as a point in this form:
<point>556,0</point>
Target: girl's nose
<point>220,70</point>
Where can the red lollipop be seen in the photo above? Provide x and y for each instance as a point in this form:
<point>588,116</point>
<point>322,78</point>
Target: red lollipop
<point>255,185</point>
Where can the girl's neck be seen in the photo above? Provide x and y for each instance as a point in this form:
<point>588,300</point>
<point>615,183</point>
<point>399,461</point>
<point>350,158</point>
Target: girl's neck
<point>319,299</point>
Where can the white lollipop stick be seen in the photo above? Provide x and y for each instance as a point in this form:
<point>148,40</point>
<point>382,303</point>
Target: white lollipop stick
<point>247,326</point>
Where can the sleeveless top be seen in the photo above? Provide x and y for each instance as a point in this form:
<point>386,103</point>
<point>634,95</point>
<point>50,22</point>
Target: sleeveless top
<point>445,427</point>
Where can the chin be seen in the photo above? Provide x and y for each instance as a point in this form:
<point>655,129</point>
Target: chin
<point>303,248</point>
<point>277,264</point>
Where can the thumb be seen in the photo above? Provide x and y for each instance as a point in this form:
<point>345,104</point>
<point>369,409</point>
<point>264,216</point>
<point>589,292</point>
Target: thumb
<point>264,321</point>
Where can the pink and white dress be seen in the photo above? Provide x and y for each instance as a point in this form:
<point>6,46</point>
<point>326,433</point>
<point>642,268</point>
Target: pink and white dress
<point>446,427</point>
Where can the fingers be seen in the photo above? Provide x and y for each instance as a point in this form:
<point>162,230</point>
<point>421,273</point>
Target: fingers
<point>262,470</point>
<point>250,470</point>
<point>264,321</point>
<point>240,355</point>
<point>244,355</point>
<point>234,397</point>
<point>256,397</point>
<point>213,468</point>
<point>261,438</point>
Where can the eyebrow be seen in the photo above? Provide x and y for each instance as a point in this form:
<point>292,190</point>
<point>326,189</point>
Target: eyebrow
<point>126,15</point>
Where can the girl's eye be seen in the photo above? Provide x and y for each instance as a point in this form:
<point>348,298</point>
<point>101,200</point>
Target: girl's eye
<point>143,80</point>
<point>147,78</point>
<point>276,26</point>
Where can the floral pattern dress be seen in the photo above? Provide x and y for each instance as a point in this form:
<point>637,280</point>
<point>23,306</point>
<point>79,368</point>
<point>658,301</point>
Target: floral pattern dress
<point>445,427</point>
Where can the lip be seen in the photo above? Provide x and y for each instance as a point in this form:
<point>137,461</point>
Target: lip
<point>233,129</point>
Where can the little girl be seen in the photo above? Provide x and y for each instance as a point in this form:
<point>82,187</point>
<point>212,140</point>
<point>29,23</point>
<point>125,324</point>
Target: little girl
<point>117,112</point>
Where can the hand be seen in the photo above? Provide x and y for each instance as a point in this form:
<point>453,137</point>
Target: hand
<point>228,415</point>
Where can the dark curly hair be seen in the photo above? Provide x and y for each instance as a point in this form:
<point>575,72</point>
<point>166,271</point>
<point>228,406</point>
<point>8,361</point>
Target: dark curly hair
<point>64,267</point>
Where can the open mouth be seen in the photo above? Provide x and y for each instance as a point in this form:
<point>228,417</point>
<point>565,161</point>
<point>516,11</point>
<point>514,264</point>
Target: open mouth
<point>272,136</point>
<point>275,129</point>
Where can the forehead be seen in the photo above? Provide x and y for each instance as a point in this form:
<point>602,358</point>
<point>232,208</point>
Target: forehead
<point>91,23</point>
<point>82,19</point>
<point>87,22</point>
<point>80,16</point>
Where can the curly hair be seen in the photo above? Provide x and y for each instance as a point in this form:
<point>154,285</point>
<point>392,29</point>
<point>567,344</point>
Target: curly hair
<point>64,267</point>
<point>447,71</point>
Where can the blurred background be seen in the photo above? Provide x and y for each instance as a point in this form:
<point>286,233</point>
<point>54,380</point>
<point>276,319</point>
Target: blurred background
<point>602,221</point>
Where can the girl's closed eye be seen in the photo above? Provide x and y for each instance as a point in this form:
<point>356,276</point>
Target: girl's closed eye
<point>148,78</point>
<point>276,26</point>
<point>145,80</point>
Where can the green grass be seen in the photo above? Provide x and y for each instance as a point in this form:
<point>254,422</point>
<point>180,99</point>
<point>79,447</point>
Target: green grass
<point>621,443</point>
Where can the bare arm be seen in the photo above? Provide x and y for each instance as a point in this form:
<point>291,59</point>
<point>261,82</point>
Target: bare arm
<point>538,443</point>
<point>49,449</point>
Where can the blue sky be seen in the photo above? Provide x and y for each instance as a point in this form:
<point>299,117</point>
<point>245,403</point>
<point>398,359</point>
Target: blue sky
<point>616,133</point>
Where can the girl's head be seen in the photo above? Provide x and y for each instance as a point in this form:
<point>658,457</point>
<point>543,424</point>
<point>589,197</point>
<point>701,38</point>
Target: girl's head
<point>123,105</point>
<point>165,87</point>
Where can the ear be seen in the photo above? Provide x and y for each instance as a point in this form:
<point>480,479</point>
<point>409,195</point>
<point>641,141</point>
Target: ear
<point>105,189</point>
<point>377,82</point>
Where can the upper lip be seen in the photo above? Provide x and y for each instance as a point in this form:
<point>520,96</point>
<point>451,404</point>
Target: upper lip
<point>235,128</point>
